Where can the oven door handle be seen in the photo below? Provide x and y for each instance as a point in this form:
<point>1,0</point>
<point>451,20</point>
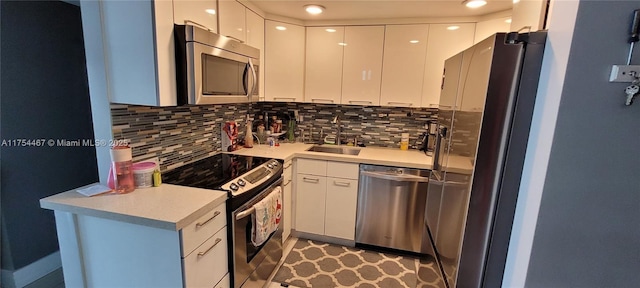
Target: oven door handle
<point>245,213</point>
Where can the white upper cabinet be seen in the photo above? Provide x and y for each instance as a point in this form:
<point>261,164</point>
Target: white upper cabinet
<point>284,61</point>
<point>528,13</point>
<point>140,62</point>
<point>195,12</point>
<point>255,38</point>
<point>232,19</point>
<point>323,69</point>
<point>487,28</point>
<point>362,65</point>
<point>445,40</point>
<point>405,49</point>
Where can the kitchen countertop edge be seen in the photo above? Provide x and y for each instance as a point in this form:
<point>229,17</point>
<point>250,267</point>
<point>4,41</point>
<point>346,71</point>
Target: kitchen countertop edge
<point>68,202</point>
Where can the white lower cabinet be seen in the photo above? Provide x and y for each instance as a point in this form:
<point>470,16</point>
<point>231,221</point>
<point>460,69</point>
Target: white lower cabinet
<point>207,265</point>
<point>326,198</point>
<point>340,206</point>
<point>95,249</point>
<point>287,189</point>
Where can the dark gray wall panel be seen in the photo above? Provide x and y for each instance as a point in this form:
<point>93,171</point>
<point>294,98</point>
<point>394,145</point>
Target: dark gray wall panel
<point>44,96</point>
<point>588,230</point>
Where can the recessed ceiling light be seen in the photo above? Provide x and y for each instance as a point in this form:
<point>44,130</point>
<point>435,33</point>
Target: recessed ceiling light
<point>314,9</point>
<point>330,30</point>
<point>474,3</point>
<point>508,20</point>
<point>281,28</point>
<point>413,41</point>
<point>342,44</point>
<point>516,1</point>
<point>454,27</point>
<point>210,11</point>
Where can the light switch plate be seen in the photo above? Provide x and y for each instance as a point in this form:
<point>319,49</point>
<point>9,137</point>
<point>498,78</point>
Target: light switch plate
<point>624,73</point>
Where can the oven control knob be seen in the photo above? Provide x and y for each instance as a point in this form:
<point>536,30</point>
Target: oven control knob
<point>270,166</point>
<point>234,187</point>
<point>275,163</point>
<point>241,183</point>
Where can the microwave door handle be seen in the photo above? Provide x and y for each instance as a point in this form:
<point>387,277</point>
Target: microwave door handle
<point>255,78</point>
<point>245,79</point>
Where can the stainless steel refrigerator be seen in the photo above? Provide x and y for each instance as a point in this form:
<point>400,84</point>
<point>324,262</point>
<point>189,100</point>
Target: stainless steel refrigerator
<point>486,105</point>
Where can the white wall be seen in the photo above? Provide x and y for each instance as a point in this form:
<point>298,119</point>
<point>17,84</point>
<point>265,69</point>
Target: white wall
<point>552,76</point>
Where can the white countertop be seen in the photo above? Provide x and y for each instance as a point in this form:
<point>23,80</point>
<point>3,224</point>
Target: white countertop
<point>167,207</point>
<point>368,155</point>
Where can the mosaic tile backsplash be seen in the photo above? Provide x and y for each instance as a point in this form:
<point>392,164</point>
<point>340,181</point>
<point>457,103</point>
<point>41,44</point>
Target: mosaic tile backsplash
<point>177,135</point>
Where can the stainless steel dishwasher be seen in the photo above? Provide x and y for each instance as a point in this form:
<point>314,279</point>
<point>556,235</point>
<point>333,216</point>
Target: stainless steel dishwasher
<point>391,208</point>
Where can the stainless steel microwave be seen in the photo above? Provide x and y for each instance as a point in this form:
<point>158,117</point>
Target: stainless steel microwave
<point>214,69</point>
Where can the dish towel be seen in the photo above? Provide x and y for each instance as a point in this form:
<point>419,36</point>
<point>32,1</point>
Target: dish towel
<point>266,217</point>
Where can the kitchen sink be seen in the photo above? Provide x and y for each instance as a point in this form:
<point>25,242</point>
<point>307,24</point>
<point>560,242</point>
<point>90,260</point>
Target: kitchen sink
<point>335,150</point>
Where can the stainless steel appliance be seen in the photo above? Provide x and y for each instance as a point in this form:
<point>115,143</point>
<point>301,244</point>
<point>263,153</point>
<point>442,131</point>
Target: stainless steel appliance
<point>247,181</point>
<point>486,105</point>
<point>391,208</point>
<point>214,69</point>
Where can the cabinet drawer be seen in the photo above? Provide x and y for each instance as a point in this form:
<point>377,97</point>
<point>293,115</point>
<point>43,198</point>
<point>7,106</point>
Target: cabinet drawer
<point>313,167</point>
<point>200,230</point>
<point>288,172</point>
<point>207,265</point>
<point>343,170</point>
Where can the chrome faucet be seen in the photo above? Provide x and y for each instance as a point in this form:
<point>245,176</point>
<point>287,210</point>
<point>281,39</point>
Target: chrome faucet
<point>336,120</point>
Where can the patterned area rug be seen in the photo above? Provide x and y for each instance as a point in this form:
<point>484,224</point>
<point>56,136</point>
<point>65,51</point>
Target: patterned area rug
<point>319,265</point>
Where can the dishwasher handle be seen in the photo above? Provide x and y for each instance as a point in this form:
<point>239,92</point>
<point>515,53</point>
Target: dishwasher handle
<point>395,177</point>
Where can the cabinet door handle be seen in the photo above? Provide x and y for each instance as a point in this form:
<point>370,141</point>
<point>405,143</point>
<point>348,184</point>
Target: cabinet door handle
<point>314,100</point>
<point>400,103</point>
<point>187,21</point>
<point>340,183</point>
<point>285,167</point>
<point>200,224</point>
<point>285,98</point>
<point>314,180</point>
<point>200,254</point>
<point>288,182</point>
<point>234,38</point>
<point>361,102</point>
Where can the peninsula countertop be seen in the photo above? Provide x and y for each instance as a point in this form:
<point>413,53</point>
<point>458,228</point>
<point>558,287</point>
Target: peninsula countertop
<point>168,206</point>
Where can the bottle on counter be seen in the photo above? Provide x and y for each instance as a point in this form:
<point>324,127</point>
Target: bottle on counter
<point>262,135</point>
<point>122,169</point>
<point>278,127</point>
<point>258,122</point>
<point>157,178</point>
<point>404,141</point>
<point>248,136</point>
<point>273,126</point>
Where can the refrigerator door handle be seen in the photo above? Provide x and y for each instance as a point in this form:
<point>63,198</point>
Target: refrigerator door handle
<point>441,133</point>
<point>394,177</point>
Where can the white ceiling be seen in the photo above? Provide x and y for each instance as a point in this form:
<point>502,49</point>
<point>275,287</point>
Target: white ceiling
<point>378,9</point>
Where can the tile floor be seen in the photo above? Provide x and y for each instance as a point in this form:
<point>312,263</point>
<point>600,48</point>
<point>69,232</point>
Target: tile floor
<point>289,246</point>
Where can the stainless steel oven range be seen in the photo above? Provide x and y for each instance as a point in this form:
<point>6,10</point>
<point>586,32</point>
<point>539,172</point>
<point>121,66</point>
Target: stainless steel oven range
<point>247,180</point>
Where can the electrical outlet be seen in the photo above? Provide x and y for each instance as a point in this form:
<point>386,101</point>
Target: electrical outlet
<point>624,73</point>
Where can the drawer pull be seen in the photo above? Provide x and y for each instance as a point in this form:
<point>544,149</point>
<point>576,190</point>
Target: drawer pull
<point>200,254</point>
<point>357,101</point>
<point>314,180</point>
<point>288,182</point>
<point>200,224</point>
<point>320,100</point>
<point>343,184</point>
